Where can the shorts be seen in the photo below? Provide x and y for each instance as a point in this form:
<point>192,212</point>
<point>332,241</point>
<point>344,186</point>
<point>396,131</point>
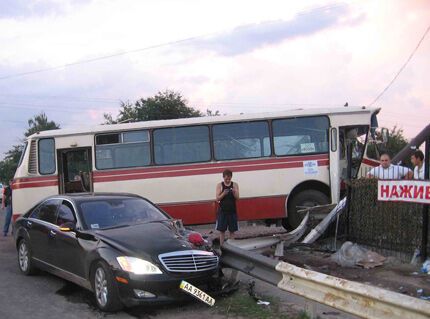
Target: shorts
<point>226,221</point>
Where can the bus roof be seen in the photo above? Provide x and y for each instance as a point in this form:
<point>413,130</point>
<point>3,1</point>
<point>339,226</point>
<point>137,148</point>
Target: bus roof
<point>202,120</point>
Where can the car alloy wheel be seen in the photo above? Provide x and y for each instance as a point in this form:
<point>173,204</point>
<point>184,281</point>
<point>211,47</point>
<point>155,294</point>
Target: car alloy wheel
<point>100,286</point>
<point>105,289</point>
<point>23,257</point>
<point>25,262</point>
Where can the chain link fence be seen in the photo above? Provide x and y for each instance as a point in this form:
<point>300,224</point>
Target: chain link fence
<point>394,228</point>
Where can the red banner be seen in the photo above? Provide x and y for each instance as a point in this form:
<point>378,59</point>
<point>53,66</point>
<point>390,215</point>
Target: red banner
<point>411,191</point>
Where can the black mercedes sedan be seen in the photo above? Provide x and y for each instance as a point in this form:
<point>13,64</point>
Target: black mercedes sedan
<point>120,246</point>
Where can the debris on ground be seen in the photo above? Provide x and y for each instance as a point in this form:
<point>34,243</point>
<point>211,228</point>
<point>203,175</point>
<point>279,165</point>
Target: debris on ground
<point>351,255</point>
<point>426,267</point>
<point>395,276</point>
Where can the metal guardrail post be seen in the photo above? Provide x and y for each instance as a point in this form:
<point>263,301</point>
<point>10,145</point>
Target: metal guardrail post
<point>349,296</point>
<point>251,263</point>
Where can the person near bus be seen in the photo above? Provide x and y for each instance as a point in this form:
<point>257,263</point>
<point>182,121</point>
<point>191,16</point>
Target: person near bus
<point>417,159</point>
<point>7,203</point>
<point>227,193</point>
<point>389,171</point>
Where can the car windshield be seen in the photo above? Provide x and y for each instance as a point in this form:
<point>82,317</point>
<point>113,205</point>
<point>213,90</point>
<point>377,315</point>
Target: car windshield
<point>119,212</point>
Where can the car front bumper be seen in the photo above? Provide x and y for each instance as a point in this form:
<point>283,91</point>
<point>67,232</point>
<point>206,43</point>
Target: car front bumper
<point>163,288</point>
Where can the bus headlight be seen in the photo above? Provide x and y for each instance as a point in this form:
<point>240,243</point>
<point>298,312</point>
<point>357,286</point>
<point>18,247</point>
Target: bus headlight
<point>137,266</point>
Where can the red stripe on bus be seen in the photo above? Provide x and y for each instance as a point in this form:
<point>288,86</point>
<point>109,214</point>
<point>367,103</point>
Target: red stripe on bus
<point>217,170</point>
<point>222,165</point>
<point>35,184</point>
<point>36,178</point>
<point>247,209</point>
<point>175,171</point>
<point>15,216</point>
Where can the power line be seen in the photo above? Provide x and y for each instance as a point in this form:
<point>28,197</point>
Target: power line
<point>77,98</point>
<point>170,43</point>
<point>403,66</point>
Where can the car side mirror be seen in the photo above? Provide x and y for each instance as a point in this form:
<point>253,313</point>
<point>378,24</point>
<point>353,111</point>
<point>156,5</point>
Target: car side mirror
<point>68,227</point>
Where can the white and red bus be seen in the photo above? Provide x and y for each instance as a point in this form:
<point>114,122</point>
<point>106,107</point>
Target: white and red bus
<point>280,160</point>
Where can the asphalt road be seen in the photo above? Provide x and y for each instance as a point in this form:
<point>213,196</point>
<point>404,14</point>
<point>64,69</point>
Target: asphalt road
<point>46,296</point>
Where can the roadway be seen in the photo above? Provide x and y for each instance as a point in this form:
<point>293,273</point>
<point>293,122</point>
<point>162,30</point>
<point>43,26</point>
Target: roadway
<point>46,296</point>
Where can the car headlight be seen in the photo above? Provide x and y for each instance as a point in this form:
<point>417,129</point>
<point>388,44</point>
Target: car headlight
<point>137,266</point>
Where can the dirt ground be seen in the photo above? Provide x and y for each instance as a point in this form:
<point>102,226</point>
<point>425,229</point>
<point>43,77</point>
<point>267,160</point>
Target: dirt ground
<point>392,275</point>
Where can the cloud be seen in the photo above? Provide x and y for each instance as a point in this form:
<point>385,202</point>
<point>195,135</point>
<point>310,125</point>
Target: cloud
<point>30,8</point>
<point>247,38</point>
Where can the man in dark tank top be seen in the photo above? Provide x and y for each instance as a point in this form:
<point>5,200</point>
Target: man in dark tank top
<point>227,193</point>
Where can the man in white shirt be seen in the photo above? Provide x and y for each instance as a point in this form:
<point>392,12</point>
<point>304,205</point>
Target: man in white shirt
<point>389,171</point>
<point>417,159</point>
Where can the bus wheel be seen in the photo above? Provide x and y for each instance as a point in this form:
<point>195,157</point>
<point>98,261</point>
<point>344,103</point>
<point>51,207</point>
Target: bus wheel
<point>307,198</point>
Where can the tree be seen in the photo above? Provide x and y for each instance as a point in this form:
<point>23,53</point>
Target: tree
<point>40,123</point>
<point>9,164</point>
<point>163,106</point>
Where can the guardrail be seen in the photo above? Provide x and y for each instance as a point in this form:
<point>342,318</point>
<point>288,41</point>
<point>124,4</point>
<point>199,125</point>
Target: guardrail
<point>349,296</point>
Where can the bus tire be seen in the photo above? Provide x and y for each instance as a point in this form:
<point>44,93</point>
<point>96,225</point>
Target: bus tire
<point>309,198</point>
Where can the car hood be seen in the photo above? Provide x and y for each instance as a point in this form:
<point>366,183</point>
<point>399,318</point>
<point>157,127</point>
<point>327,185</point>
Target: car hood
<point>145,240</point>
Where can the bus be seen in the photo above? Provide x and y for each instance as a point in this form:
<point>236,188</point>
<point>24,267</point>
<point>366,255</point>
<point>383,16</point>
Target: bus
<point>282,161</point>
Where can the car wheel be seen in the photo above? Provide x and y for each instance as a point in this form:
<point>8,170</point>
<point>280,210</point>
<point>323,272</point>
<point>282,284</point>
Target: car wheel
<point>24,258</point>
<point>105,289</point>
<point>307,198</point>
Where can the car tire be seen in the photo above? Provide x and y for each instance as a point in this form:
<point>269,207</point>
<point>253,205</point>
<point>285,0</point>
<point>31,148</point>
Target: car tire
<point>25,262</point>
<point>105,288</point>
<point>310,197</point>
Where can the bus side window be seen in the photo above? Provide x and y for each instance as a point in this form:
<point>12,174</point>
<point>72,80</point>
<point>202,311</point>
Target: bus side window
<point>46,156</point>
<point>182,145</point>
<point>241,140</point>
<point>304,135</point>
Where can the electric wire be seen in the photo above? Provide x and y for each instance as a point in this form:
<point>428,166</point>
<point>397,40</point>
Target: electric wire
<point>402,68</point>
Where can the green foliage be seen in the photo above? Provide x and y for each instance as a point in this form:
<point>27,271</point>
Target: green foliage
<point>40,123</point>
<point>9,164</point>
<point>243,305</point>
<point>163,106</point>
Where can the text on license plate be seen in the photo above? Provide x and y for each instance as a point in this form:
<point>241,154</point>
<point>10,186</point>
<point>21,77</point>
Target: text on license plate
<point>197,293</point>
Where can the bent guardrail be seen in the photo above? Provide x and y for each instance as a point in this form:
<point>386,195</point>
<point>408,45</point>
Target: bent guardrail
<point>349,296</point>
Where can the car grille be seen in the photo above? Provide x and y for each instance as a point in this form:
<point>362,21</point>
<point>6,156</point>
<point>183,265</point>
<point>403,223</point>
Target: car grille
<point>189,261</point>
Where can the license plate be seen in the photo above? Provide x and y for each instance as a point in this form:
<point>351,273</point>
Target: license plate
<point>197,293</point>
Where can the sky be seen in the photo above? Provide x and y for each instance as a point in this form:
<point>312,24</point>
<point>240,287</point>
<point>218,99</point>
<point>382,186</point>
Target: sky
<point>78,59</point>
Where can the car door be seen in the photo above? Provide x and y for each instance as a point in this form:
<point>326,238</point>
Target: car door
<point>68,253</point>
<point>41,229</point>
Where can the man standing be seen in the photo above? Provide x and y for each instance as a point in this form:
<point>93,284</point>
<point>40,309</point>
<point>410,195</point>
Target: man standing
<point>7,203</point>
<point>227,193</point>
<point>389,171</point>
<point>417,160</point>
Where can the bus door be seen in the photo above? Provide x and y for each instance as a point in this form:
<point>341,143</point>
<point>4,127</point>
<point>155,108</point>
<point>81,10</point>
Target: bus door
<point>352,141</point>
<point>75,170</point>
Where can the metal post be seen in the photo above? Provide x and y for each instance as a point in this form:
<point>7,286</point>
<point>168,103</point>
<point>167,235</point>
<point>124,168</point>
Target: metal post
<point>425,226</point>
<point>349,147</point>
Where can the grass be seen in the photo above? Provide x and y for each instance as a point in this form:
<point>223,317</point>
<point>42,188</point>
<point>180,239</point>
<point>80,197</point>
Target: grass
<point>240,304</point>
